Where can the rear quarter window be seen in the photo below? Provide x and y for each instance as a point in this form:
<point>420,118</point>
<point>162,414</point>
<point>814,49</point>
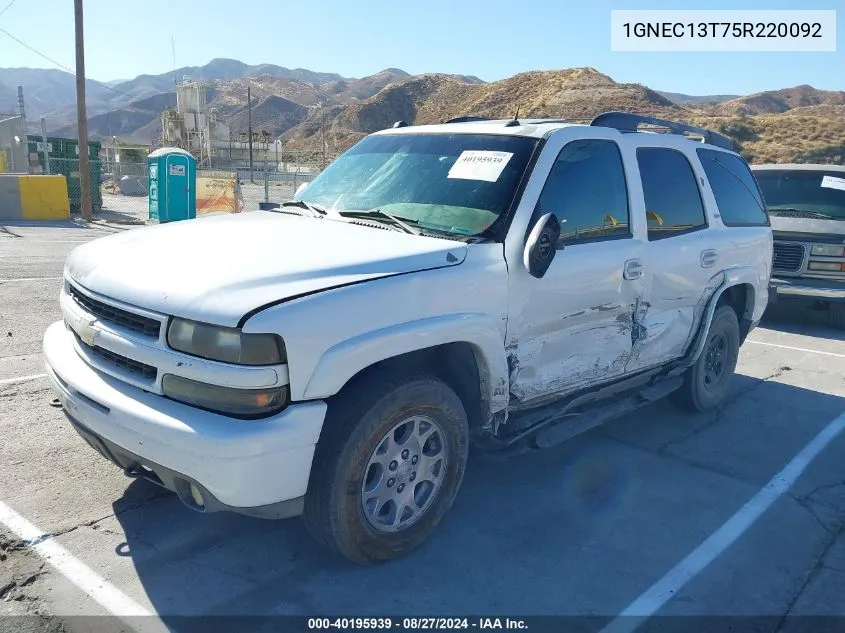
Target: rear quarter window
<point>672,198</point>
<point>735,189</point>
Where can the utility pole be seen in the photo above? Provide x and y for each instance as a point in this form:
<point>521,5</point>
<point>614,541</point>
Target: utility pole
<point>82,117</point>
<point>323,131</point>
<point>22,109</point>
<point>44,141</point>
<point>249,117</point>
<point>23,129</point>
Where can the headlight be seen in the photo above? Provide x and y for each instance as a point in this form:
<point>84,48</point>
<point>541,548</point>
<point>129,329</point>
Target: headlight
<point>226,400</point>
<point>227,345</point>
<point>828,250</point>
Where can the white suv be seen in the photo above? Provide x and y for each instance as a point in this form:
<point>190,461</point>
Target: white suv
<point>502,283</point>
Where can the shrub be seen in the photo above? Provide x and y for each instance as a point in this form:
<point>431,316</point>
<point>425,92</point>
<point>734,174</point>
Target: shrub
<point>738,130</point>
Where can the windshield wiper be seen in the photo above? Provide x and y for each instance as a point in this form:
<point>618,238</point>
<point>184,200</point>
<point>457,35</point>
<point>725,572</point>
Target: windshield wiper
<point>316,210</point>
<point>801,213</point>
<point>402,223</point>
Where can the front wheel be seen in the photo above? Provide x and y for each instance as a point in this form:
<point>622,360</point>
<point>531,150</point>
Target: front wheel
<point>387,468</point>
<point>707,383</point>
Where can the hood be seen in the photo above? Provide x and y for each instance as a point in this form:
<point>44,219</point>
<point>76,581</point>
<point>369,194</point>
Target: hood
<point>798,228</point>
<point>216,269</point>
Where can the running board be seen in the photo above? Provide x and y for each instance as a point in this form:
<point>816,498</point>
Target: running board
<point>557,432</point>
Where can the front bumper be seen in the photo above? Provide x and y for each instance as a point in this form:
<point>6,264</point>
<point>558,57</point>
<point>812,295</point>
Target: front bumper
<point>254,467</point>
<point>814,289</point>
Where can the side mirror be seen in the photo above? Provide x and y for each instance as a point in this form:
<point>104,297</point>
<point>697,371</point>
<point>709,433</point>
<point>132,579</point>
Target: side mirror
<point>541,246</point>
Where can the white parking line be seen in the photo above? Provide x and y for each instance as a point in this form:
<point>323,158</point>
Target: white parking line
<point>98,588</point>
<point>14,381</point>
<point>664,589</point>
<point>797,349</point>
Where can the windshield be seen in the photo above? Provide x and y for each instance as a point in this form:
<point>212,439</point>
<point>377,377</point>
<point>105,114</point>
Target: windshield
<point>814,192</point>
<point>455,183</point>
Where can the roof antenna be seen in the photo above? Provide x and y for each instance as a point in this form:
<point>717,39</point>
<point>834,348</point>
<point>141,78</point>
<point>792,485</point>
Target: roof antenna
<point>515,120</point>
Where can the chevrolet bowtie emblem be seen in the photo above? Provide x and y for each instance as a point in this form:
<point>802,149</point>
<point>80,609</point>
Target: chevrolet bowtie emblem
<point>84,329</point>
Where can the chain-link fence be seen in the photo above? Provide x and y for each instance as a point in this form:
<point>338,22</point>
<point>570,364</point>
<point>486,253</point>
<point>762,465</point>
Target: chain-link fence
<point>272,187</point>
<point>275,176</point>
<point>119,195</point>
<point>13,144</point>
<point>120,190</point>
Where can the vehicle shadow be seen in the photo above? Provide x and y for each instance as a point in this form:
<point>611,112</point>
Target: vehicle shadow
<point>582,528</point>
<point>801,318</point>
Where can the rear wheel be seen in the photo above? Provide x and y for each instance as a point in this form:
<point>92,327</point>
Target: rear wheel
<point>387,468</point>
<point>707,383</point>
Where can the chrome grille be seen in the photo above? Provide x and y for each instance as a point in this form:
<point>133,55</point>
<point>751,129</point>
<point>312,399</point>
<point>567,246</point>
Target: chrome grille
<point>110,314</point>
<point>788,257</point>
<point>121,362</point>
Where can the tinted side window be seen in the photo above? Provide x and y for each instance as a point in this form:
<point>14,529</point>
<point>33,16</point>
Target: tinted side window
<point>672,199</point>
<point>736,192</point>
<point>586,190</point>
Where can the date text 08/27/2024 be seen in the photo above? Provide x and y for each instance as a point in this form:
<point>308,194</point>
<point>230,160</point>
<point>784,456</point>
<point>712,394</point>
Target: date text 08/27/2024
<point>418,623</point>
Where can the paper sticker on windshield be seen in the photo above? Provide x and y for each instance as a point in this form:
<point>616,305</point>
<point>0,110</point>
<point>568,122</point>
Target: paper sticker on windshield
<point>833,183</point>
<point>480,165</point>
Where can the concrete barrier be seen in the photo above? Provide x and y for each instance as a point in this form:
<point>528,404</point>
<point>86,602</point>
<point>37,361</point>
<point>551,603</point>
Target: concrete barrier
<point>24,197</point>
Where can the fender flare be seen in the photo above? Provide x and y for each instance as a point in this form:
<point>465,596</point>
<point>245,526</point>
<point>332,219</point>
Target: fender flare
<point>344,360</point>
<point>745,275</point>
<point>730,277</point>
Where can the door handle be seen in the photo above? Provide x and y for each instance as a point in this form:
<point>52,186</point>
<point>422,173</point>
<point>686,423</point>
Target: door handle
<point>633,269</point>
<point>709,257</point>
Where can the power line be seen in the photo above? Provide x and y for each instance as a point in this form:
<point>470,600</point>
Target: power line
<point>7,7</point>
<point>25,45</point>
<point>60,65</point>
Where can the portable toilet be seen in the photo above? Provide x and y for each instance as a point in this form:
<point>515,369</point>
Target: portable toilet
<point>173,184</point>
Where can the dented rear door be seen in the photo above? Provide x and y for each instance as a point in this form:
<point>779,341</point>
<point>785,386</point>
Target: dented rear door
<point>682,262</point>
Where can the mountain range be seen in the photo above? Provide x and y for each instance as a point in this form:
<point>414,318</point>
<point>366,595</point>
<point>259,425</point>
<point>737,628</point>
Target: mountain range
<point>792,124</point>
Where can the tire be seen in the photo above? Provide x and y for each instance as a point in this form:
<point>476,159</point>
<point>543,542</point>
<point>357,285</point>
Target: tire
<point>369,447</point>
<point>707,383</point>
<point>836,315</point>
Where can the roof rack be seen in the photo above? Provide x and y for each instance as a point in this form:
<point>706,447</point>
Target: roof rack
<point>467,119</point>
<point>548,121</point>
<point>628,122</point>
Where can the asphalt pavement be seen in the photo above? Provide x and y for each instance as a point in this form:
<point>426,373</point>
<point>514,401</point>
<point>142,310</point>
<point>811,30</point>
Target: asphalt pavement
<point>737,512</point>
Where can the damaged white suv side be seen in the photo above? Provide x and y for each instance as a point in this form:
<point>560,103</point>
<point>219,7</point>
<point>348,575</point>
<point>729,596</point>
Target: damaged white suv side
<point>505,283</point>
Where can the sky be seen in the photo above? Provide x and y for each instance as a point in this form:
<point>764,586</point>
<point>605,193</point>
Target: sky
<point>491,39</point>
